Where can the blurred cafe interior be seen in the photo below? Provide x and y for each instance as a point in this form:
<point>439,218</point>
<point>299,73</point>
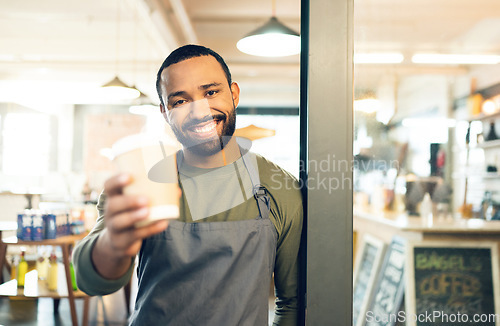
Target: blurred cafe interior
<point>426,133</point>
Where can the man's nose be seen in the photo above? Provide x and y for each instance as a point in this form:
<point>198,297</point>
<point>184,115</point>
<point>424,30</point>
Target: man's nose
<point>199,109</point>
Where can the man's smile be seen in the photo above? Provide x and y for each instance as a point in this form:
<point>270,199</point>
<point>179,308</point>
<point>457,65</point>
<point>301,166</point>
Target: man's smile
<point>208,128</point>
<point>205,129</point>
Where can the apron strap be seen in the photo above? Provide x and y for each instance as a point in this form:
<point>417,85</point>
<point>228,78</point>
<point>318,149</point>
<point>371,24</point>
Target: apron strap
<point>179,159</point>
<point>260,192</point>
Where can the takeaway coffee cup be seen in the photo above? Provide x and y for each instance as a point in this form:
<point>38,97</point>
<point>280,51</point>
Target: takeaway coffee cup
<point>151,160</point>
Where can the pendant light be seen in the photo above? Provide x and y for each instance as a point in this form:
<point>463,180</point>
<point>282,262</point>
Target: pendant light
<point>273,39</point>
<point>116,89</point>
<point>142,105</point>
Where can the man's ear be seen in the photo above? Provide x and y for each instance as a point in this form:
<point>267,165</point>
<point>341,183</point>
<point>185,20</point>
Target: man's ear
<point>165,115</point>
<point>235,91</point>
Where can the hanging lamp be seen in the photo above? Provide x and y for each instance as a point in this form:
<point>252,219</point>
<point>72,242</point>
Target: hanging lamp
<point>273,39</point>
<point>116,89</point>
<point>143,106</point>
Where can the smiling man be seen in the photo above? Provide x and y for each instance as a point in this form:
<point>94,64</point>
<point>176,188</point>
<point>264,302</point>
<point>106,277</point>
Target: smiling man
<point>200,105</point>
<point>237,226</point>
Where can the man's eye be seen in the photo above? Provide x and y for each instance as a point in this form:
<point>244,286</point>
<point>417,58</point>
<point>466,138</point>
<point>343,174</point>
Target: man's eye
<point>211,93</point>
<point>178,103</point>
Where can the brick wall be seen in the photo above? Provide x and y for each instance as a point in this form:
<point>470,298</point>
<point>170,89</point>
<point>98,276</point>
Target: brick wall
<point>101,131</point>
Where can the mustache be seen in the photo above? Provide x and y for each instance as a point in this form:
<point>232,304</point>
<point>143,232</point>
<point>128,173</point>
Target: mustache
<point>194,122</point>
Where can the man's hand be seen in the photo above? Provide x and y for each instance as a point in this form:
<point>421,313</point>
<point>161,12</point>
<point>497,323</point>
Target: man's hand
<point>120,241</point>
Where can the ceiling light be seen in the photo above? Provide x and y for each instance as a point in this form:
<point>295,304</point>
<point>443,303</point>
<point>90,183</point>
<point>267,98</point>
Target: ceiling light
<point>273,39</point>
<point>116,89</point>
<point>388,57</point>
<point>466,59</point>
<point>7,57</point>
<point>489,107</point>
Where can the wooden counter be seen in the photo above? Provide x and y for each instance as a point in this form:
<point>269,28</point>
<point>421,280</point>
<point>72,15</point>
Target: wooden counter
<point>386,224</point>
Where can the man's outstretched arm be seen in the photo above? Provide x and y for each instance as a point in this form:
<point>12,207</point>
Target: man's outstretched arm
<point>104,259</point>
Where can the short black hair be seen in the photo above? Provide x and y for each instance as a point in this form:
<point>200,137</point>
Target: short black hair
<point>187,52</point>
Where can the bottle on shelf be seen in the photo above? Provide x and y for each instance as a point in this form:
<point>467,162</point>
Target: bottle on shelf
<point>492,135</point>
<point>72,272</point>
<point>42,266</point>
<point>52,273</point>
<point>486,208</point>
<point>22,269</point>
<point>426,209</point>
<point>73,278</point>
<point>13,269</point>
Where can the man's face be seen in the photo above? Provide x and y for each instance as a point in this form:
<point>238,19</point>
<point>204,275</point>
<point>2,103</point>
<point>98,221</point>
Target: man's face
<point>200,105</point>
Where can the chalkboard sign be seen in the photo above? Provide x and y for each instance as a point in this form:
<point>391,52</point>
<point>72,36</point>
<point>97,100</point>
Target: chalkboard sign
<point>367,264</point>
<point>389,287</point>
<point>452,284</point>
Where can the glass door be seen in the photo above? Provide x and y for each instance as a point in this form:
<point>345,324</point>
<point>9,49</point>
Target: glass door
<point>425,169</point>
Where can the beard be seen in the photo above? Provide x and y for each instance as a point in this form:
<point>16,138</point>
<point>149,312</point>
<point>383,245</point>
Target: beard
<point>210,146</point>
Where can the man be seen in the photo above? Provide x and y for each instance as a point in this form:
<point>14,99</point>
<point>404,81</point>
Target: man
<point>238,224</point>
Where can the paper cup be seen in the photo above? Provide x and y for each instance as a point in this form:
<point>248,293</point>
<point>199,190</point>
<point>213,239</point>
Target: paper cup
<point>151,160</point>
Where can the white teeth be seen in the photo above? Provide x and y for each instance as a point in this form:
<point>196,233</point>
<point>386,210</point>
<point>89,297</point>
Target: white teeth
<point>206,128</point>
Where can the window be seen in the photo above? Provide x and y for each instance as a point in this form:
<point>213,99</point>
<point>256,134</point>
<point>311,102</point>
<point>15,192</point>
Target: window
<point>26,144</point>
<point>282,148</point>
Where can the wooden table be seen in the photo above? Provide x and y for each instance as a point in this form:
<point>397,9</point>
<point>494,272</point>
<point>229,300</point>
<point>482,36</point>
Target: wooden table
<point>35,288</point>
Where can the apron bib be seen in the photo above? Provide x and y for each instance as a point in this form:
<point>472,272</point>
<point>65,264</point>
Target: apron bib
<point>209,274</point>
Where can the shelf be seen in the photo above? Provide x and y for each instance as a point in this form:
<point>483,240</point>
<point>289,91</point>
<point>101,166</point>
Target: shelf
<point>483,117</point>
<point>489,144</point>
<point>485,175</point>
<point>8,226</point>
<point>35,288</point>
<point>48,242</point>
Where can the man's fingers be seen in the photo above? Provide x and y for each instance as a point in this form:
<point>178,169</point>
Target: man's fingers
<point>114,185</point>
<point>118,204</point>
<point>123,212</point>
<point>128,242</point>
<point>126,220</point>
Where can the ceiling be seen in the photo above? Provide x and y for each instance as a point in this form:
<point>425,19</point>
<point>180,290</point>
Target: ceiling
<point>60,50</point>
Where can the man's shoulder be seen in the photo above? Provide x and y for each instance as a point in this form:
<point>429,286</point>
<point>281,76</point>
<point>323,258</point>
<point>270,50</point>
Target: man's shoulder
<point>277,180</point>
<point>267,167</point>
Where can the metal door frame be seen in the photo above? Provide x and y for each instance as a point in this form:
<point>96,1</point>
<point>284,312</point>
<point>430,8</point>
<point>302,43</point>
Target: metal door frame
<point>326,144</point>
